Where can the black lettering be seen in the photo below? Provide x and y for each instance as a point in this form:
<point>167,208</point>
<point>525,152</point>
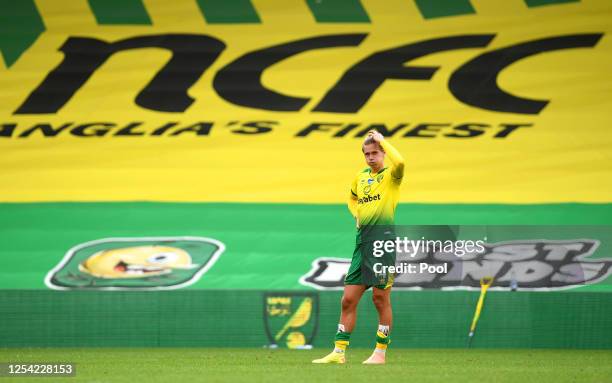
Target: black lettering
<point>164,128</point>
<point>99,129</point>
<point>128,130</point>
<point>360,82</point>
<point>239,82</point>
<point>167,92</point>
<point>475,83</point>
<point>468,130</point>
<point>321,126</point>
<point>347,128</point>
<point>421,129</point>
<point>6,130</point>
<point>382,128</point>
<point>509,128</point>
<point>46,129</point>
<point>255,127</point>
<point>200,129</point>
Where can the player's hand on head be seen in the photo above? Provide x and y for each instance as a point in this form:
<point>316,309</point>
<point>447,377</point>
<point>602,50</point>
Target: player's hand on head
<point>376,136</point>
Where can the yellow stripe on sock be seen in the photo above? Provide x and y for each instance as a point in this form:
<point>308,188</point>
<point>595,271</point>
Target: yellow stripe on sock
<point>341,344</point>
<point>381,346</point>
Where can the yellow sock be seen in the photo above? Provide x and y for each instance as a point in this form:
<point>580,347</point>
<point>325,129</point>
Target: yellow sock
<point>382,341</point>
<point>381,346</point>
<point>341,345</point>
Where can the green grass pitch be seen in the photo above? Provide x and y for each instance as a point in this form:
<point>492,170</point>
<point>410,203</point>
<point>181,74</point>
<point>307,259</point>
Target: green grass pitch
<point>176,365</point>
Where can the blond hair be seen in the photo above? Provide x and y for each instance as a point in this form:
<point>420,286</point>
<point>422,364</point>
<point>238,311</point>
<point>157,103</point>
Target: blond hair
<point>370,141</point>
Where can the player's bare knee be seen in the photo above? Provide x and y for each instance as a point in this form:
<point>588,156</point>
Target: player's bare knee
<point>380,301</point>
<point>348,302</point>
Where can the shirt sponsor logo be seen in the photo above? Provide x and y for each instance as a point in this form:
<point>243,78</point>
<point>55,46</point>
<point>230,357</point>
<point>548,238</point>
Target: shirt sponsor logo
<point>368,198</point>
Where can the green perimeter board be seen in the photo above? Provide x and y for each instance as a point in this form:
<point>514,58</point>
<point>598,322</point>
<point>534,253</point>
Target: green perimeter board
<point>224,318</point>
<point>281,238</point>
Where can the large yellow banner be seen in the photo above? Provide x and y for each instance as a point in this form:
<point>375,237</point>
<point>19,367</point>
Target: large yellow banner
<point>507,103</point>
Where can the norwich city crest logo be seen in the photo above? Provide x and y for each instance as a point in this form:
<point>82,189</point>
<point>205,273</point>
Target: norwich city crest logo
<point>146,263</point>
<point>291,319</point>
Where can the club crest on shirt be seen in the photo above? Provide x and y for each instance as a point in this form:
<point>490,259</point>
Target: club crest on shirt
<point>379,178</point>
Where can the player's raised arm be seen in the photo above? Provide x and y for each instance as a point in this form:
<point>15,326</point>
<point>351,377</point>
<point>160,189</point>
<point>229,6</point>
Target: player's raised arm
<point>394,156</point>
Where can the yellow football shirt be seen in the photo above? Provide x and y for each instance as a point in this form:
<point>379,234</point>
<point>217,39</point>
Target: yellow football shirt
<point>374,196</point>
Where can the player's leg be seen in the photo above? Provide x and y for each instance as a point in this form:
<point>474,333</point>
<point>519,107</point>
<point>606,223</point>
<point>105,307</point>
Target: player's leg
<point>353,290</point>
<point>348,317</point>
<point>382,300</point>
<point>350,299</point>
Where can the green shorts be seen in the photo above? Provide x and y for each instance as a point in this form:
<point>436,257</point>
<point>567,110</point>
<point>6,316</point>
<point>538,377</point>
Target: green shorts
<point>360,272</point>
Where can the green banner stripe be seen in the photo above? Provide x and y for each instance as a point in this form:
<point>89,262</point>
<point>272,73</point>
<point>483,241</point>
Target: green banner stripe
<point>35,236</point>
<point>275,215</point>
<point>431,9</point>
<point>537,3</point>
<point>228,11</point>
<point>20,26</point>
<point>120,12</point>
<point>338,11</point>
